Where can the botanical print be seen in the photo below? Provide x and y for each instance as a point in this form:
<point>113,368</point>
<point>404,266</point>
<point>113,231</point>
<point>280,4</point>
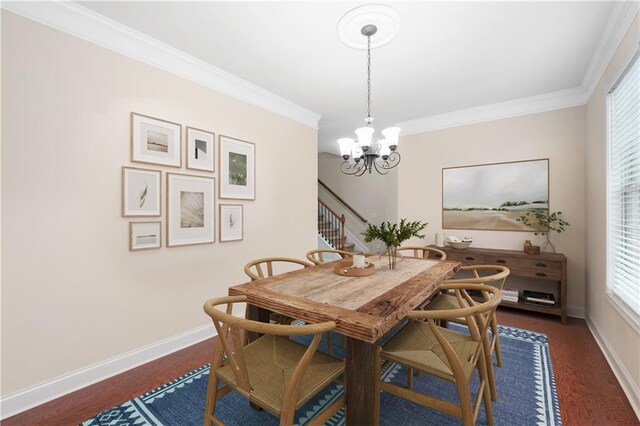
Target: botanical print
<point>492,196</point>
<point>191,209</point>
<point>141,195</point>
<point>230,222</point>
<point>237,162</point>
<point>157,141</point>
<point>237,169</point>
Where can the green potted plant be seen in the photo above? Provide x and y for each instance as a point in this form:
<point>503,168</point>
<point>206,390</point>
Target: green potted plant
<point>392,235</point>
<point>545,222</point>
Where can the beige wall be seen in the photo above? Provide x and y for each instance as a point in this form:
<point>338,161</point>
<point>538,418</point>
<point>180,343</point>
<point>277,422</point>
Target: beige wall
<point>557,135</point>
<point>72,293</point>
<point>622,339</point>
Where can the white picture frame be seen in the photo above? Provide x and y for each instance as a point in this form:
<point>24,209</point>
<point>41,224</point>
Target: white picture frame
<point>200,150</point>
<point>155,141</point>
<point>190,210</point>
<point>141,192</point>
<point>145,235</point>
<point>237,165</point>
<point>231,222</point>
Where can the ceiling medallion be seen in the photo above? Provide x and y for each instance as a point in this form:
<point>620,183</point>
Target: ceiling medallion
<point>385,18</point>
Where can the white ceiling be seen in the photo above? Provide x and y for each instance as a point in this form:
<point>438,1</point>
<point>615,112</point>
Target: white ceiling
<point>448,56</point>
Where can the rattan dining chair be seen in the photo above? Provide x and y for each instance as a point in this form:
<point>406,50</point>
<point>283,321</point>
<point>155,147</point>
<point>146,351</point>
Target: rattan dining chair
<point>317,256</point>
<point>273,372</point>
<point>425,252</point>
<point>424,346</point>
<point>498,276</point>
<point>254,270</point>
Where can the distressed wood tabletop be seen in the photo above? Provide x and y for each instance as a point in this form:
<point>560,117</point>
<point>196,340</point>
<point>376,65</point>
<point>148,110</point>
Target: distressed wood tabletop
<point>364,308</point>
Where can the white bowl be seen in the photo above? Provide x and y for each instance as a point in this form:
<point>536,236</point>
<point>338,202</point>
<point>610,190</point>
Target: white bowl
<point>461,245</point>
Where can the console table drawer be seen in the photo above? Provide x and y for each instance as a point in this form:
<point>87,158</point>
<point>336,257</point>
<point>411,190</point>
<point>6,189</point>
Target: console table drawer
<point>536,273</point>
<point>467,258</point>
<point>520,262</point>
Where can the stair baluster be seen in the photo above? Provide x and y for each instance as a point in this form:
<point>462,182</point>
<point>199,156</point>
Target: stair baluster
<point>331,225</point>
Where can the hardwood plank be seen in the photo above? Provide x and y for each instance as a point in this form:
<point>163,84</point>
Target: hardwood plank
<point>588,391</point>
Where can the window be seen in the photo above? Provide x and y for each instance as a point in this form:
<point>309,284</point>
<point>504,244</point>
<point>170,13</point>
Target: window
<point>623,252</point>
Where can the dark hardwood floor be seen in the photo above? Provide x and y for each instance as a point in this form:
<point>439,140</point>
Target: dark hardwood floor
<point>588,392</point>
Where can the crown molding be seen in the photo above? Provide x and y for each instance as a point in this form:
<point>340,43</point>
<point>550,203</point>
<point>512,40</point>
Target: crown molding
<point>523,106</point>
<point>77,20</point>
<point>618,23</point>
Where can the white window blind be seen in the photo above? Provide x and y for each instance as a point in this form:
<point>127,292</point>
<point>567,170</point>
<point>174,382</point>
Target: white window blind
<point>623,281</point>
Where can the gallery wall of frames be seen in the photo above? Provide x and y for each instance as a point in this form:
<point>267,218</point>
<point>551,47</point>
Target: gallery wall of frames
<point>190,200</point>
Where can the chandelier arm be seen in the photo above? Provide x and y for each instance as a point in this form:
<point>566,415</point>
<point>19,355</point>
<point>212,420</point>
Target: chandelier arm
<point>380,164</point>
<point>393,160</point>
<point>349,168</point>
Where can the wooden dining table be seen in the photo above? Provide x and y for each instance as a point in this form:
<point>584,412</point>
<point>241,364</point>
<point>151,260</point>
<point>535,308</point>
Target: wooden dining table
<point>363,308</point>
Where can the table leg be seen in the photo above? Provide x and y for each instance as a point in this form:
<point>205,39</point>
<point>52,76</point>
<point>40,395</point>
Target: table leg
<point>360,382</point>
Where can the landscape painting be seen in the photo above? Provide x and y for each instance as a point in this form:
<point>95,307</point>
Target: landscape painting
<point>155,141</point>
<point>492,196</point>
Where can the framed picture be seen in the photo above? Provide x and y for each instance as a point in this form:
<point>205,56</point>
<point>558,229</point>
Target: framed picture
<point>492,196</point>
<point>237,169</point>
<point>140,192</point>
<point>200,152</point>
<point>231,222</point>
<point>144,235</point>
<point>190,210</point>
<point>155,141</point>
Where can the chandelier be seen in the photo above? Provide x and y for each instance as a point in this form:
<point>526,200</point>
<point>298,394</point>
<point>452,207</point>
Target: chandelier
<point>366,153</point>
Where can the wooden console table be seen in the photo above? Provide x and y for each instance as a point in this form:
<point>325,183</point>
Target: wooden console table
<point>545,266</point>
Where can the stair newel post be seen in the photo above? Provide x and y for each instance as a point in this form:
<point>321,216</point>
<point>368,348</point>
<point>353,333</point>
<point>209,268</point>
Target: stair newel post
<point>342,219</point>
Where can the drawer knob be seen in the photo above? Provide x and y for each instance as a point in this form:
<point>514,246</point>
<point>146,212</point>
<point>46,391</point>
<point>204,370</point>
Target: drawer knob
<point>469,258</point>
<point>542,265</point>
<point>541,274</point>
<point>501,261</point>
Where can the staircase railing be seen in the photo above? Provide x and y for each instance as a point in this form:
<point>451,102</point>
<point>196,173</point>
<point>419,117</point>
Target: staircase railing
<point>331,225</point>
<point>337,197</point>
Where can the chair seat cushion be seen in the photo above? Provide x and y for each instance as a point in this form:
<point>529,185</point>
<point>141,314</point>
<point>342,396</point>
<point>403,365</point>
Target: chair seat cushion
<point>271,361</point>
<point>416,346</point>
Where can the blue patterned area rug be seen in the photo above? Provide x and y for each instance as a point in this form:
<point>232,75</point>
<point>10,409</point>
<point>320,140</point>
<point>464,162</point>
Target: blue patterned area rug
<point>526,395</point>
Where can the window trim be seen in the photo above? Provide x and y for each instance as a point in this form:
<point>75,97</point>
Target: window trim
<point>625,311</point>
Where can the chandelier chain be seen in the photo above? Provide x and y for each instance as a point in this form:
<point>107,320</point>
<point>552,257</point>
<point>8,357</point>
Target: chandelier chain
<point>369,76</point>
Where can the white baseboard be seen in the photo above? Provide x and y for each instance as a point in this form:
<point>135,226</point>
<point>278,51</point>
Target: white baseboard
<point>51,389</point>
<point>576,312</point>
<point>630,388</point>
